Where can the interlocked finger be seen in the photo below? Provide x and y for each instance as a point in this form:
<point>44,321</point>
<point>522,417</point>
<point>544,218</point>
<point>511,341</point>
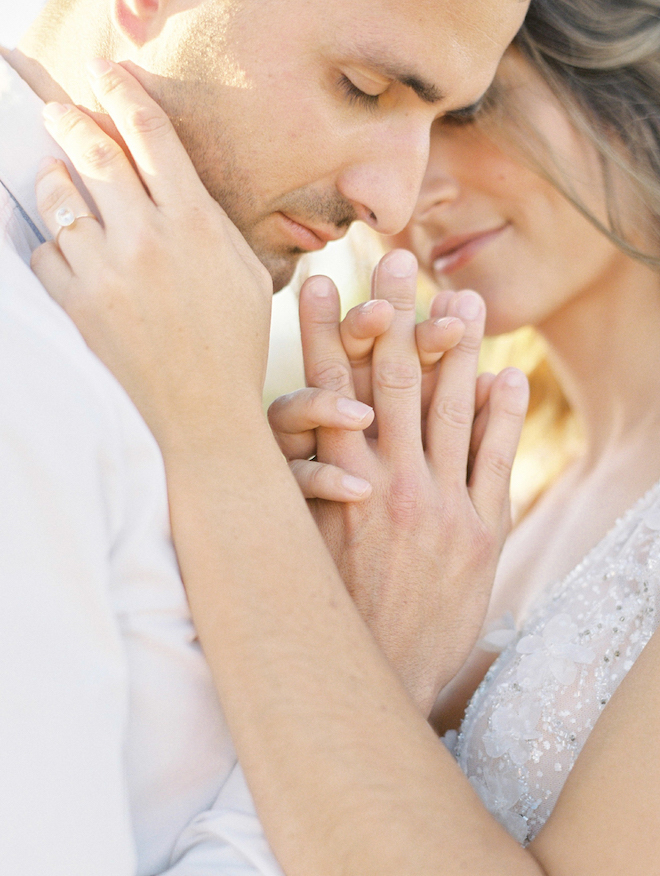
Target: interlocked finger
<point>449,425</point>
<point>435,336</point>
<point>358,331</point>
<point>295,417</point>
<point>481,413</point>
<point>396,368</point>
<point>491,472</point>
<point>326,364</point>
<point>319,481</point>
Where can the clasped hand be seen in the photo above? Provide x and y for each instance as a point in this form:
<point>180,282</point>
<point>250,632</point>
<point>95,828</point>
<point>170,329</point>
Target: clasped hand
<point>421,492</point>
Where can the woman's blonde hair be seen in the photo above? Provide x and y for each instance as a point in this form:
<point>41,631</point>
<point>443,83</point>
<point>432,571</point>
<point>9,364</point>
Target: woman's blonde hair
<point>601,59</point>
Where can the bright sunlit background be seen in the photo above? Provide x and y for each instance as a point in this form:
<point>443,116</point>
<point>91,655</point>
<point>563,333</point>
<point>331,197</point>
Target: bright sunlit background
<point>15,18</point>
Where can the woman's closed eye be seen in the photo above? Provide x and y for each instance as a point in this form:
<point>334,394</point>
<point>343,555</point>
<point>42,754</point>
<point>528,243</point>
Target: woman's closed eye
<point>464,116</point>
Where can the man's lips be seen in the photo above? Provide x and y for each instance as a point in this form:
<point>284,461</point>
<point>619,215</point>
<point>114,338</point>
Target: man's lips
<point>455,252</point>
<point>309,237</point>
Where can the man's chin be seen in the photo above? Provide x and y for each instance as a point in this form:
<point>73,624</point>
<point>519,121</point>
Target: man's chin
<point>280,266</point>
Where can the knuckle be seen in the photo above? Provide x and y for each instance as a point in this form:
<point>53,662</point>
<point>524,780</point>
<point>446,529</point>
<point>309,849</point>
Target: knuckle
<point>403,298</point>
<point>112,84</point>
<point>143,246</point>
<point>71,122</point>
<point>51,199</point>
<point>278,407</point>
<point>406,500</point>
<point>311,477</point>
<point>514,405</point>
<point>101,154</point>
<point>297,467</point>
<point>455,411</point>
<point>332,374</point>
<point>284,407</point>
<point>310,407</point>
<point>317,478</point>
<point>498,464</point>
<point>397,374</point>
<point>484,547</point>
<point>199,219</point>
<point>514,411</point>
<point>471,343</point>
<point>148,120</point>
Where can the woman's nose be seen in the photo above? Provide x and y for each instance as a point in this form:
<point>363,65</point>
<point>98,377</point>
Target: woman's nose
<point>439,187</point>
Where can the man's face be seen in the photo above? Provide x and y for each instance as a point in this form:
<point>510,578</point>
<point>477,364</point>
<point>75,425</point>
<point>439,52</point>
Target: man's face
<point>302,116</point>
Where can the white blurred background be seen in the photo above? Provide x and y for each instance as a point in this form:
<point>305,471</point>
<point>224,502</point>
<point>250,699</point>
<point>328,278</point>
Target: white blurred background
<point>15,18</point>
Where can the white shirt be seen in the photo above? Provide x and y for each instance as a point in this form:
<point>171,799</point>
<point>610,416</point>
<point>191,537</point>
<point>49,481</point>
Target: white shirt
<point>114,755</point>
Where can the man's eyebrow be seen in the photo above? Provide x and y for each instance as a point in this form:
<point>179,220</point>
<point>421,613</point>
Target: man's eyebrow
<point>427,91</point>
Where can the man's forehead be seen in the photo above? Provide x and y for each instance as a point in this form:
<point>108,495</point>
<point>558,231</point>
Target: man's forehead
<point>442,49</point>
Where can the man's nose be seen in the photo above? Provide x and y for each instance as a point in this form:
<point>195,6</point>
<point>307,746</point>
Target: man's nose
<point>384,186</point>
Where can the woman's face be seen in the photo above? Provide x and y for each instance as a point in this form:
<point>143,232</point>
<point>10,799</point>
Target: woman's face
<point>487,221</point>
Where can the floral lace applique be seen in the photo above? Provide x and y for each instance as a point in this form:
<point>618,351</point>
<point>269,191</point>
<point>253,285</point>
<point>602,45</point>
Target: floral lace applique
<point>499,634</point>
<point>528,721</point>
<point>512,729</point>
<point>552,653</point>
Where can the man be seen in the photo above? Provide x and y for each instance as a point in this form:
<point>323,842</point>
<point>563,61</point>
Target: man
<point>300,118</point>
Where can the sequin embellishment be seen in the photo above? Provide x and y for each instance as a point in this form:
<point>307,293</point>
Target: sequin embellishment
<point>531,715</point>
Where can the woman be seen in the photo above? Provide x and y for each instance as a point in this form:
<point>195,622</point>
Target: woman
<point>517,743</point>
<point>546,202</point>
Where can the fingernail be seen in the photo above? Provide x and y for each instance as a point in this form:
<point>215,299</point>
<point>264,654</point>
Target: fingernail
<point>368,306</point>
<point>469,306</point>
<point>514,378</point>
<point>320,287</point>
<point>352,409</point>
<point>98,67</point>
<point>356,486</point>
<point>53,112</point>
<point>445,321</point>
<point>400,263</point>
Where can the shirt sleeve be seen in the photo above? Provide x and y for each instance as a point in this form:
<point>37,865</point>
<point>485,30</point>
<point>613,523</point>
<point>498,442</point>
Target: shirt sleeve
<point>63,688</point>
<point>65,685</point>
<point>227,839</point>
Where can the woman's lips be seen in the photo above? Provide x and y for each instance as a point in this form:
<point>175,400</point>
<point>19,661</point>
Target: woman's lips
<point>455,252</point>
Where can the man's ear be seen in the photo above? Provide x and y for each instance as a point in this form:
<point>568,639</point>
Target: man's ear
<point>140,20</point>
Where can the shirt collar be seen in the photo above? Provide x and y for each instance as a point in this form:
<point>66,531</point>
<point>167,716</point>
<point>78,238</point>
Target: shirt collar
<point>24,142</point>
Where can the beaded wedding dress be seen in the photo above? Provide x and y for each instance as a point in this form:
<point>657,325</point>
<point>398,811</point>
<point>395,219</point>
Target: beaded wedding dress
<point>531,715</point>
